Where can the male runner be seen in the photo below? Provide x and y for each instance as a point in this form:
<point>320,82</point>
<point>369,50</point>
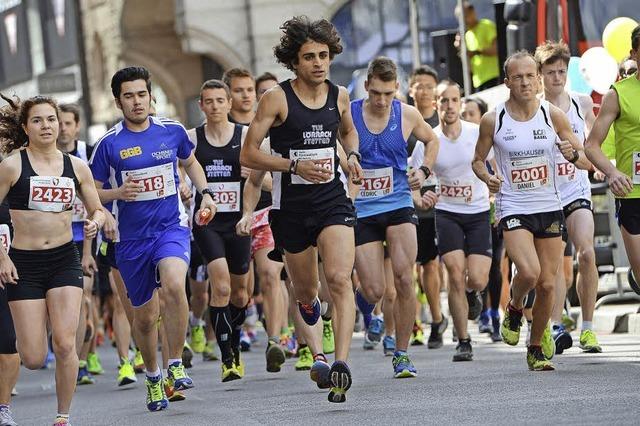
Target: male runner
<point>620,108</point>
<point>311,206</point>
<point>384,205</point>
<point>243,95</point>
<point>575,193</point>
<point>524,132</point>
<point>140,154</point>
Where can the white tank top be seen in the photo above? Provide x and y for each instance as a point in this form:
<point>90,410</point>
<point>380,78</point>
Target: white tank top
<point>573,183</point>
<point>526,155</point>
<point>460,190</point>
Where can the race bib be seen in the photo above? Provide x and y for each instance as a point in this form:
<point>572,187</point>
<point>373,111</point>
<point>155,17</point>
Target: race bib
<point>528,174</point>
<point>457,191</point>
<point>377,183</point>
<point>5,237</point>
<point>157,181</point>
<point>79,212</point>
<point>51,194</point>
<point>226,195</point>
<point>324,156</point>
<point>635,159</point>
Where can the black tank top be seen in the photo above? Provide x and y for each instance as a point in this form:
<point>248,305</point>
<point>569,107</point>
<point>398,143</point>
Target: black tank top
<point>308,134</point>
<point>221,165</point>
<point>44,193</point>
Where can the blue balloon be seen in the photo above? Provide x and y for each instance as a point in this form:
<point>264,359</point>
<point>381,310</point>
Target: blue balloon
<point>577,82</point>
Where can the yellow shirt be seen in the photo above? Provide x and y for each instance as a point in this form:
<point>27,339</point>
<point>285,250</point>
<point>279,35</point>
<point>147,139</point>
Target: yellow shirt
<point>627,131</point>
<point>483,67</point>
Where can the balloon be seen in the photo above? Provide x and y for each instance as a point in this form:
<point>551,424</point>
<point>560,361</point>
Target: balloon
<point>576,81</point>
<point>599,69</point>
<point>616,37</point>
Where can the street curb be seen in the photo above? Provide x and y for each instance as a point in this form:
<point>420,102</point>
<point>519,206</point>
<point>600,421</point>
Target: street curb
<point>634,324</point>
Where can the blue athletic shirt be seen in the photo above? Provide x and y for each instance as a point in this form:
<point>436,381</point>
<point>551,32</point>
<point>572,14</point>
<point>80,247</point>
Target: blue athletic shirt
<point>149,157</point>
<point>385,186</point>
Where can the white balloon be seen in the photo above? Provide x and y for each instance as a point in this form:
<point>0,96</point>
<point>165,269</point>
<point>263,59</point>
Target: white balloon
<point>599,69</point>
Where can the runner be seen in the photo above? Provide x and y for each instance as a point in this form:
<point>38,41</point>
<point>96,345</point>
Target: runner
<point>138,156</point>
<point>619,107</point>
<point>265,82</point>
<point>42,273</point>
<point>462,214</point>
<point>524,132</point>
<point>311,206</point>
<point>243,95</point>
<point>575,193</point>
<point>384,205</point>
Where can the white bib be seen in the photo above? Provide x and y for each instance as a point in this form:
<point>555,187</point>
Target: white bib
<point>565,171</point>
<point>5,237</point>
<point>324,156</point>
<point>528,174</point>
<point>158,181</point>
<point>458,191</point>
<point>226,195</point>
<point>377,183</point>
<point>51,194</point>
<point>635,164</point>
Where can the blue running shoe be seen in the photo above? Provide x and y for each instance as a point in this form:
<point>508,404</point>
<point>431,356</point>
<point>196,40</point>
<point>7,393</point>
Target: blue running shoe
<point>319,372</point>
<point>365,307</point>
<point>178,377</point>
<point>388,345</point>
<point>402,366</point>
<point>156,396</point>
<point>375,330</point>
<point>340,381</point>
<point>562,338</point>
<point>483,323</point>
<point>310,313</point>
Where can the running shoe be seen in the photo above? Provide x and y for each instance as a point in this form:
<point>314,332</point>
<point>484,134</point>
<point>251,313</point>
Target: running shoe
<point>198,339</point>
<point>289,344</point>
<point>310,313</point>
<point>475,304</point>
<point>589,342</point>
<point>178,377</point>
<point>402,366</point>
<point>510,329</point>
<point>561,338</point>
<point>547,343</point>
<point>275,357</point>
<point>367,344</point>
<point>437,330</point>
<point>5,417</point>
<point>375,330</point>
<point>93,364</point>
<point>483,323</point>
<point>239,363</point>
<point>417,338</point>
<point>126,375</point>
<point>464,351</point>
<point>210,352</point>
<point>156,397</point>
<point>537,361</point>
<point>319,372</point>
<point>305,359</point>
<point>328,343</point>
<point>84,377</point>
<point>495,329</point>
<point>187,355</point>
<point>138,362</point>
<point>340,381</point>
<point>61,421</point>
<point>568,322</point>
<point>388,345</point>
<point>230,372</point>
<point>172,394</point>
<point>245,341</point>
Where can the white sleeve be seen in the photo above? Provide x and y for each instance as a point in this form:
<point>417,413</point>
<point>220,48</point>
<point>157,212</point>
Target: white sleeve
<point>417,156</point>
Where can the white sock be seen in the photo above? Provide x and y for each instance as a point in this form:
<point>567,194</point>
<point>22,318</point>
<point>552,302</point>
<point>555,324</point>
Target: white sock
<point>154,374</point>
<point>587,325</point>
<point>174,360</point>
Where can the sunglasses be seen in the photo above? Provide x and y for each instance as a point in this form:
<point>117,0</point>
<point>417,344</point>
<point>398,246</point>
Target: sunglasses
<point>629,72</point>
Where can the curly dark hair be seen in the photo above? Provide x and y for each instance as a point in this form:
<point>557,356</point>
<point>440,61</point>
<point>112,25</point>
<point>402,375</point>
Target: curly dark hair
<point>14,115</point>
<point>300,29</point>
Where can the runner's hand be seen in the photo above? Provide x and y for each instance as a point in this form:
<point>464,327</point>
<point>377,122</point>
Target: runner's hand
<point>415,179</point>
<point>8,272</point>
<point>355,170</point>
<point>429,200</point>
<point>207,203</point>
<point>110,226</point>
<point>620,183</point>
<point>566,149</point>
<point>89,266</point>
<point>599,175</point>
<point>312,171</point>
<point>185,192</point>
<point>494,183</point>
<point>245,172</point>
<point>90,229</point>
<point>129,190</point>
<point>243,227</point>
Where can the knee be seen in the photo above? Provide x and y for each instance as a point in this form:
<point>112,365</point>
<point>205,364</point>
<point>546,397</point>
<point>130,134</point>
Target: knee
<point>339,280</point>
<point>529,275</point>
<point>145,323</point>
<point>221,290</point>
<point>34,360</point>
<point>456,279</point>
<point>373,292</point>
<point>63,347</point>
<point>477,281</point>
<point>586,256</point>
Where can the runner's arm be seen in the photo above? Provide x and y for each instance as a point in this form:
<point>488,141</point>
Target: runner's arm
<point>483,146</point>
<point>593,146</point>
<point>586,104</point>
<point>253,185</point>
<point>565,133</point>
<point>424,133</point>
<point>348,136</point>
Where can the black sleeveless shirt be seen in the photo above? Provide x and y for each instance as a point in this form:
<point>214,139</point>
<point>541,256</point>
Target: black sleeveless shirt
<point>33,192</point>
<point>221,165</point>
<point>308,134</point>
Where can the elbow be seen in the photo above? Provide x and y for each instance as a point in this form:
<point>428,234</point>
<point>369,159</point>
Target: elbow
<point>245,159</point>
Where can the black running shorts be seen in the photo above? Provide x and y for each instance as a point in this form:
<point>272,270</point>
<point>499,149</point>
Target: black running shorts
<point>228,245</point>
<point>427,246</point>
<point>374,228</point>
<point>541,225</point>
<point>461,231</point>
<point>7,332</point>
<point>628,211</point>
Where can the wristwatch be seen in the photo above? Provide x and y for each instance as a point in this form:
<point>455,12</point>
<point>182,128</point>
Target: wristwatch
<point>356,154</point>
<point>426,171</point>
<point>576,156</point>
<point>207,191</point>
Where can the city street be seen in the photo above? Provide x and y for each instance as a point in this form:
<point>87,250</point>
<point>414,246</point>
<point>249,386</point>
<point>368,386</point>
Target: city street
<point>496,388</point>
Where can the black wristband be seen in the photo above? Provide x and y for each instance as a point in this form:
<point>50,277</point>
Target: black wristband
<point>576,156</point>
<point>207,191</point>
<point>356,154</point>
<point>426,171</point>
<point>293,167</point>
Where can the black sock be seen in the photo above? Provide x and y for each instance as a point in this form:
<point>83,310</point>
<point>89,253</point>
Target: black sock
<point>221,321</point>
<point>238,315</point>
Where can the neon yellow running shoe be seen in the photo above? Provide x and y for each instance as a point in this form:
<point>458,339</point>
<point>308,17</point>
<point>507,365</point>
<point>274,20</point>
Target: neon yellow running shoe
<point>156,397</point>
<point>537,361</point>
<point>93,364</point>
<point>547,343</point>
<point>417,338</point>
<point>239,363</point>
<point>510,328</point>
<point>126,375</point>
<point>589,342</point>
<point>230,372</point>
<point>209,352</point>
<point>328,344</point>
<point>172,394</point>
<point>138,362</point>
<point>198,339</point>
<point>305,359</point>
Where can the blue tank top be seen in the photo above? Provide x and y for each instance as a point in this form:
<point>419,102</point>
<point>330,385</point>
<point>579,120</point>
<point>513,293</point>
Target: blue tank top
<point>384,161</point>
